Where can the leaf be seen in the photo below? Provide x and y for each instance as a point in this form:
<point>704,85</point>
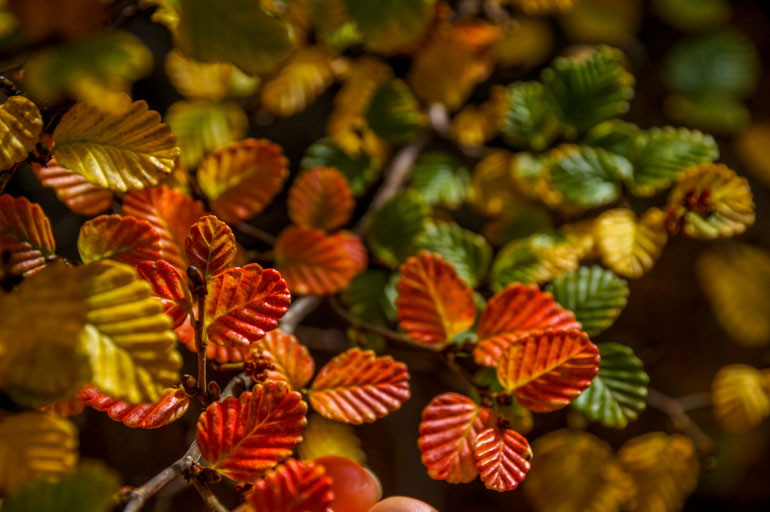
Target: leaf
<point>313,262</point>
<point>73,190</point>
<point>466,251</point>
<point>210,246</point>
<point>450,424</point>
<point>740,397</point>
<point>25,232</point>
<point>623,138</point>
<point>750,146</point>
<point>126,239</point>
<point>324,437</point>
<point>241,178</point>
<point>689,16</point>
<point>299,82</point>
<point>20,126</point>
<point>358,387</point>
<point>366,297</point>
<point>292,487</point>
<point>525,43</point>
<point>123,152</point>
<point>474,125</point>
<point>64,408</point>
<point>513,313</point>
<point>74,18</point>
<point>391,26</point>
<point>320,198</point>
<point>394,113</point>
<point>291,360</point>
<point>171,406</point>
<point>529,120</point>
<point>220,353</point>
<point>535,259</point>
<point>395,227</point>
<point>208,80</point>
<point>237,31</point>
<point>441,179</point>
<point>502,458</point>
<point>587,177</point>
<point>244,303</point>
<point>332,25</point>
<point>491,185</point>
<point>629,246</point>
<point>360,171</point>
<point>90,488</point>
<point>546,370</point>
<point>434,304</point>
<point>542,7</point>
<point>243,437</point>
<point>35,445</point>
<point>618,393</point>
<point>595,295</point>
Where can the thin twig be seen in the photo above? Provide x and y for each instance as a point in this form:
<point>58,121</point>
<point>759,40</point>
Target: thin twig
<point>695,401</point>
<point>682,422</point>
<point>209,498</point>
<point>254,232</point>
<point>201,347</point>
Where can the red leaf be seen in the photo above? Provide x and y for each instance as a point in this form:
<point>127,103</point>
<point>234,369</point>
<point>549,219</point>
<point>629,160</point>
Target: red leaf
<point>25,233</point>
<point>548,369</point>
<point>292,360</point>
<point>125,239</point>
<point>244,303</point>
<point>210,246</point>
<point>320,198</point>
<point>450,424</point>
<point>73,190</point>
<point>219,353</point>
<point>243,437</point>
<point>502,459</point>
<point>294,486</point>
<point>514,312</point>
<point>171,406</point>
<point>434,304</point>
<point>168,286</point>
<point>313,262</point>
<point>358,387</point>
<point>65,408</point>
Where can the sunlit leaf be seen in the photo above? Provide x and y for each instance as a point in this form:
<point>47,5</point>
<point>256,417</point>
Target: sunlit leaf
<point>299,82</point>
<point>332,25</point>
<point>20,126</point>
<point>360,171</point>
<point>630,246</point>
<point>441,179</point>
<point>526,42</point>
<point>535,259</point>
<point>740,395</point>
<point>210,246</point>
<point>320,197</point>
<point>393,112</point>
<point>359,387</point>
<point>391,26</point>
<point>25,232</point>
<point>502,458</point>
<point>491,184</point>
<point>476,125</point>
<point>324,437</point>
<point>293,486</point>
<point>73,190</point>
<point>169,287</point>
<point>125,239</point>
<point>581,235</point>
<point>207,80</point>
<point>291,360</point>
<point>214,352</point>
<point>395,227</point>
<point>530,120</point>
<point>620,137</point>
<point>466,251</point>
<point>171,406</point>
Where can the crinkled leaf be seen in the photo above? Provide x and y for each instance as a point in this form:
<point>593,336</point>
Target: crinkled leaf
<point>740,395</point>
<point>441,179</point>
<point>291,360</point>
<point>25,232</point>
<point>20,126</point>
<point>171,406</point>
<point>502,458</point>
<point>587,177</point>
<point>628,245</point>
<point>621,137</point>
<point>210,246</point>
<point>360,171</point>
<point>530,120</point>
<point>169,287</point>
<point>73,190</point>
<point>299,82</point>
<point>293,486</point>
<point>394,113</point>
<point>320,198</point>
<point>126,239</point>
<point>395,227</point>
<point>466,251</point>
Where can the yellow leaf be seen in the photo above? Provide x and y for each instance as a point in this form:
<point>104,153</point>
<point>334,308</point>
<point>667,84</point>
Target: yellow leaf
<point>740,397</point>
<point>166,12</point>
<point>581,236</point>
<point>474,125</point>
<point>525,43</point>
<point>208,80</point>
<point>35,445</point>
<point>491,184</point>
<point>299,82</point>
<point>124,152</point>
<point>324,437</point>
<point>20,126</point>
<point>628,246</point>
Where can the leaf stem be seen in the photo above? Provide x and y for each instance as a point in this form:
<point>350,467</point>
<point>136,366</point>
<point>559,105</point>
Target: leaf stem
<point>678,415</point>
<point>255,232</point>
<point>209,498</point>
<point>201,344</point>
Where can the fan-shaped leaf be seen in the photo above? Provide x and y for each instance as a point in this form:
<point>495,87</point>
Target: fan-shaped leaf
<point>391,26</point>
<point>629,246</point>
<point>73,190</point>
<point>171,406</point>
<point>210,246</point>
<point>740,394</point>
<point>441,179</point>
<point>299,82</point>
<point>587,177</point>
<point>394,113</point>
<point>466,251</point>
<point>502,458</point>
<point>292,487</point>
<point>530,120</point>
<point>360,171</point>
<point>358,387</point>
<point>25,232</point>
<point>535,259</point>
<point>291,360</point>
<point>168,286</point>
<point>125,239</point>
<point>20,126</point>
<point>207,80</point>
<point>320,198</point>
<point>620,137</point>
<point>324,437</point>
<point>394,227</point>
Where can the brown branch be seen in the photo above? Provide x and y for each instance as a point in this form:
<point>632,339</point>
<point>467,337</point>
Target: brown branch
<point>254,232</point>
<point>209,498</point>
<point>681,421</point>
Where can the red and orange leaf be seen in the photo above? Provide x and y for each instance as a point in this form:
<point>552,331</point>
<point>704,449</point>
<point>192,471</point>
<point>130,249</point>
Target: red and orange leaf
<point>218,353</point>
<point>171,406</point>
<point>243,437</point>
<point>513,312</point>
<point>502,459</point>
<point>65,408</point>
<point>294,486</point>
<point>169,287</point>
<point>244,303</point>
<point>320,198</point>
<point>548,369</point>
<point>434,304</point>
<point>291,359</point>
<point>241,178</point>
<point>125,239</point>
<point>359,387</point>
<point>210,246</point>
<point>25,233</point>
<point>73,190</point>
<point>449,426</point>
<point>314,262</point>
<point>171,213</point>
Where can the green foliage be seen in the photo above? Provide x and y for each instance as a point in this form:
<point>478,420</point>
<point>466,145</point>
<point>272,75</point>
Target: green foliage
<point>360,171</point>
<point>615,136</point>
<point>588,177</point>
<point>441,179</point>
<point>366,297</point>
<point>394,113</point>
<point>529,119</point>
<point>390,25</point>
<point>528,260</point>
<point>395,227</point>
<point>468,252</point>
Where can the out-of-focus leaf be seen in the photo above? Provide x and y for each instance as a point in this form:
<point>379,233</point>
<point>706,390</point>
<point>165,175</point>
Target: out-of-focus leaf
<point>474,125</point>
<point>25,232</point>
<point>237,31</point>
<point>292,361</point>
<point>629,246</point>
<point>466,251</point>
<point>530,120</point>
<point>548,369</point>
<point>740,397</point>
<point>324,437</point>
<point>210,246</point>
<point>294,485</point>
<point>208,80</point>
<point>320,198</point>
<point>394,113</point>
<point>491,184</point>
<point>242,437</point>
<point>360,171</point>
<point>441,179</point>
<point>391,26</point>
<point>299,82</point>
<point>73,18</point>
<point>241,178</point>
<point>365,296</point>
<point>171,406</point>
<point>359,387</point>
<point>434,304</point>
<point>220,353</point>
<point>525,43</point>
<point>73,190</point>
<point>450,424</point>
<point>535,259</point>
<point>595,295</point>
<point>689,15</point>
<point>395,227</point>
<point>581,235</point>
<point>616,136</point>
<point>123,152</point>
<point>714,112</point>
<point>169,287</point>
<point>166,12</point>
<point>20,126</point>
<point>125,239</point>
<point>502,458</point>
<point>64,408</point>
<point>332,25</point>
<point>541,7</point>
<point>603,21</point>
<point>521,221</point>
<point>751,147</point>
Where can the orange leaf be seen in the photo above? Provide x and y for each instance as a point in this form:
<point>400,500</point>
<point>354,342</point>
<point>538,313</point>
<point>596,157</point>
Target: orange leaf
<point>168,286</point>
<point>171,406</point>
<point>294,486</point>
<point>314,262</point>
<point>292,361</point>
<point>450,424</point>
<point>210,246</point>
<point>548,369</point>
<point>219,353</point>
<point>434,304</point>
<point>502,459</point>
<point>514,312</point>
<point>245,436</point>
<point>73,190</point>
<point>241,178</point>
<point>25,233</point>
<point>65,408</point>
<point>359,387</point>
<point>244,303</point>
<point>125,239</point>
<point>320,198</point>
<point>171,213</point>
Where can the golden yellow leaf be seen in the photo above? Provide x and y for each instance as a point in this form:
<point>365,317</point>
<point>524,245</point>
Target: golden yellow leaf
<point>475,125</point>
<point>525,43</point>
<point>20,126</point>
<point>299,82</point>
<point>752,145</point>
<point>324,437</point>
<point>740,397</point>
<point>166,12</point>
<point>628,246</point>
<point>491,184</point>
<point>581,236</point>
<point>208,80</point>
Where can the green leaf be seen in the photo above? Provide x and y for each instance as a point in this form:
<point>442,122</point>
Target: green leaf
<point>535,259</point>
<point>711,111</point>
<point>238,31</point>
<point>441,179</point>
<point>390,26</point>
<point>468,252</point>
<point>360,172</point>
<point>588,177</point>
<point>529,119</point>
<point>394,113</point>
<point>332,25</point>
<point>693,15</point>
<point>365,296</point>
<point>615,136</point>
<point>395,227</point>
<point>618,393</point>
<point>594,294</point>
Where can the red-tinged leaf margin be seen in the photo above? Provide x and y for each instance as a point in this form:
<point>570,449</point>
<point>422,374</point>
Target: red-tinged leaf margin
<point>548,369</point>
<point>171,406</point>
<point>25,232</point>
<point>320,198</point>
<point>449,426</point>
<point>291,359</point>
<point>358,387</point>
<point>434,304</point>
<point>169,287</point>
<point>73,190</point>
<point>503,459</point>
<point>243,437</point>
<point>120,238</point>
<point>294,486</point>
<point>210,246</point>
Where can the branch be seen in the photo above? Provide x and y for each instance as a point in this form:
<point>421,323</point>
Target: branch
<point>678,415</point>
<point>209,498</point>
<point>254,232</point>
